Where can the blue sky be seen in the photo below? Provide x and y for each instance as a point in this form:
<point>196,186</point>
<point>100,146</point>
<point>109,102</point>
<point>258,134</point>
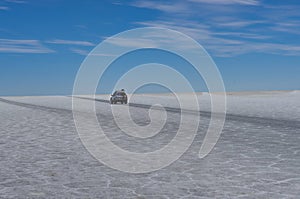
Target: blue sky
<point>255,43</point>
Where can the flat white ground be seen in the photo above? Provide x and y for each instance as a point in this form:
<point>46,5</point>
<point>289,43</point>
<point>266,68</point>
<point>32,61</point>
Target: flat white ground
<point>257,156</point>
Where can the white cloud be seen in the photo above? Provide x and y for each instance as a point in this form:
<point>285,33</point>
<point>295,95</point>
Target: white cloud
<point>132,42</point>
<point>192,7</point>
<point>11,1</point>
<point>227,44</point>
<point>103,54</point>
<point>227,2</point>
<point>4,8</point>
<point>86,52</point>
<point>79,51</point>
<point>22,46</point>
<point>224,28</point>
<point>16,1</point>
<point>71,42</point>
<point>239,23</point>
<point>291,27</point>
<point>242,35</point>
<point>202,33</point>
<point>173,7</point>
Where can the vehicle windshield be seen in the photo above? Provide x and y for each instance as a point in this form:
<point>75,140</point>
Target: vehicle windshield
<point>122,93</point>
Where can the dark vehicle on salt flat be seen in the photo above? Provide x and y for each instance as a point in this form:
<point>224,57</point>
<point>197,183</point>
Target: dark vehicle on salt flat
<point>118,96</point>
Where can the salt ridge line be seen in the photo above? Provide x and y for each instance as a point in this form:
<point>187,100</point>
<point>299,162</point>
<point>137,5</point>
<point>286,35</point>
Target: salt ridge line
<point>230,117</point>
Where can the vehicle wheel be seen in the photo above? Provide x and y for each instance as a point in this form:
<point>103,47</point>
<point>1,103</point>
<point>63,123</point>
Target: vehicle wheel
<point>126,102</point>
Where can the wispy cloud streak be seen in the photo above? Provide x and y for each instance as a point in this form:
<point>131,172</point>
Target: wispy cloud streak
<point>70,42</point>
<point>16,1</point>
<point>228,2</point>
<point>22,46</point>
<point>227,44</point>
<point>225,28</point>
<point>4,8</point>
<point>79,51</point>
